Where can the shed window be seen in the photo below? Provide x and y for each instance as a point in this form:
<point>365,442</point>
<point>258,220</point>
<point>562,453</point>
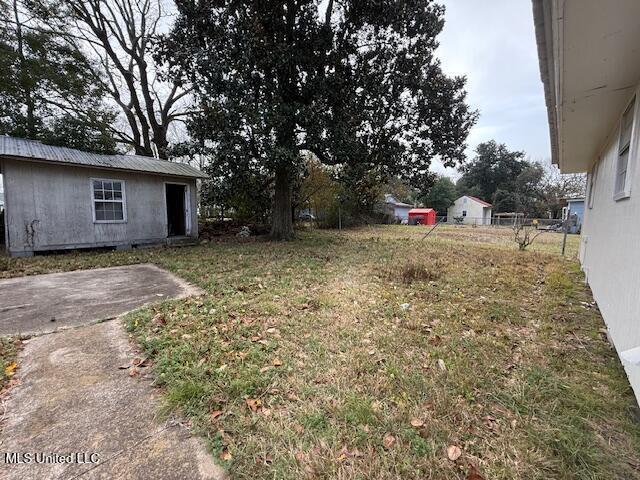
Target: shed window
<point>108,201</point>
<point>464,213</point>
<point>624,148</point>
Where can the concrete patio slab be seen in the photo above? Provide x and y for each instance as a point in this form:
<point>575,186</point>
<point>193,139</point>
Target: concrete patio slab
<point>45,303</point>
<point>73,397</point>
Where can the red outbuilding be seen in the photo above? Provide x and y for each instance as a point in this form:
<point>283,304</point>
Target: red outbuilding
<point>422,216</point>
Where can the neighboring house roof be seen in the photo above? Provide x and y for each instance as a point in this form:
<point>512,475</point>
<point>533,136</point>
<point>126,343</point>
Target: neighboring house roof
<point>34,150</point>
<point>482,202</point>
<point>388,198</point>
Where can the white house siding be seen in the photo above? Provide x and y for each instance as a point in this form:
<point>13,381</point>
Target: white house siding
<point>401,212</point>
<point>59,199</point>
<point>477,214</point>
<point>610,248</point>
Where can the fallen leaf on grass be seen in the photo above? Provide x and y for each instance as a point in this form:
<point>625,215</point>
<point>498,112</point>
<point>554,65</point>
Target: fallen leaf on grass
<point>277,362</point>
<point>225,455</point>
<point>416,422</point>
<point>441,365</point>
<point>254,404</point>
<point>388,441</point>
<point>474,474</point>
<point>10,369</point>
<point>453,452</point>
<point>215,414</point>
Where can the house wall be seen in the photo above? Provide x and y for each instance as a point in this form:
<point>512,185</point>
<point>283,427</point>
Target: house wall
<point>401,212</point>
<point>476,214</point>
<point>56,200</point>
<point>609,247</point>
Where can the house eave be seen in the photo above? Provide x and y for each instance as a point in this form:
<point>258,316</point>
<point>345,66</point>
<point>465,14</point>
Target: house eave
<point>588,56</point>
<point>542,14</point>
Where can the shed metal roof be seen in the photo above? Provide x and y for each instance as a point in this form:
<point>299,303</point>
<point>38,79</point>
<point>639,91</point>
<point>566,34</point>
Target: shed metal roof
<point>33,150</point>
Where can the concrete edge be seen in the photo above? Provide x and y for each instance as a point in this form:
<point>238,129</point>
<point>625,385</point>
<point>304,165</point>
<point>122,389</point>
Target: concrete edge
<point>188,290</point>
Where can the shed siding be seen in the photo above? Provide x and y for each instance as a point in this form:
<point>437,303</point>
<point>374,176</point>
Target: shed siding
<point>609,249</point>
<point>59,199</point>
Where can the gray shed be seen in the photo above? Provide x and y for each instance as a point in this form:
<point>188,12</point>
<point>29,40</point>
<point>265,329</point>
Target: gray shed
<point>59,198</point>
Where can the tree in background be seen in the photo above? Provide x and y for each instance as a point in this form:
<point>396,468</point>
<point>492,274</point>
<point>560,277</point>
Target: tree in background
<point>441,195</point>
<point>318,191</point>
<point>513,184</point>
<point>557,186</point>
<point>401,190</point>
<point>494,168</point>
<point>355,83</point>
<point>120,37</point>
<point>47,91</point>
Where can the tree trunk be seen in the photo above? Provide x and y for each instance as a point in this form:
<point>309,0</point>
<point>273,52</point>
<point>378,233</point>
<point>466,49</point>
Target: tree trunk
<point>281,221</point>
<point>24,76</point>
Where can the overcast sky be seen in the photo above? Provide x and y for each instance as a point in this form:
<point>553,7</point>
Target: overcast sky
<point>492,42</point>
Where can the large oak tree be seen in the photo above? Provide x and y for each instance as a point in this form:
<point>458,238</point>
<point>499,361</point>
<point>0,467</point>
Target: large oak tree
<point>355,82</point>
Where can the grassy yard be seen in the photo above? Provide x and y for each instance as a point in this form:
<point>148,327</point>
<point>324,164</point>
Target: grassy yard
<point>373,354</point>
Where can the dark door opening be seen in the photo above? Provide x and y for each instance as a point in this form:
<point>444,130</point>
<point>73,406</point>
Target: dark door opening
<point>176,218</point>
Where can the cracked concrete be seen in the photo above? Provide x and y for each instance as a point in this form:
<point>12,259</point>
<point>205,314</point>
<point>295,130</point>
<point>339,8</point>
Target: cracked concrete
<point>72,396</point>
<point>28,304</point>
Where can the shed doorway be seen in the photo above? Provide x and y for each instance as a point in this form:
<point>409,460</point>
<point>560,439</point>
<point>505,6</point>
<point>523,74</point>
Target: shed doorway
<point>177,219</point>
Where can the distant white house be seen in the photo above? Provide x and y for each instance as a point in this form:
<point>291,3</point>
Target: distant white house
<point>398,210</point>
<point>588,52</point>
<point>471,210</point>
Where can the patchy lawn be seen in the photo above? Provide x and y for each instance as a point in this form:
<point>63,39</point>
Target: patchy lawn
<point>372,354</point>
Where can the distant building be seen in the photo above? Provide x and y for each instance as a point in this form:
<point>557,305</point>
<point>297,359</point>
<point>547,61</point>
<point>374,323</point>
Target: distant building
<point>59,198</point>
<point>575,207</point>
<point>399,211</point>
<point>471,210</point>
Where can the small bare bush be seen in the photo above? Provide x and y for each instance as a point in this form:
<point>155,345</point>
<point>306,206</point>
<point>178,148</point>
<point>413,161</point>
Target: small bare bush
<point>525,235</point>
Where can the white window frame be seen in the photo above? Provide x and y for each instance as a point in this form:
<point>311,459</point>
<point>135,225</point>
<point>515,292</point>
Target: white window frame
<point>94,200</point>
<point>624,191</point>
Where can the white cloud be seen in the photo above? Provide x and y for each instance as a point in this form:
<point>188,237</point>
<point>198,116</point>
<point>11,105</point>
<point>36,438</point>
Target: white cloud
<point>492,42</point>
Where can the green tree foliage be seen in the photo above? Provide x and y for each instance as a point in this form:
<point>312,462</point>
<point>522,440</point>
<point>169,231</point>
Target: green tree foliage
<point>493,168</point>
<point>355,82</point>
<point>441,195</point>
<point>46,87</point>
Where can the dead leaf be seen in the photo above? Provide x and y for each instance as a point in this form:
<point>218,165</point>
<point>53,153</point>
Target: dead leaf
<point>474,474</point>
<point>215,414</point>
<point>441,365</point>
<point>225,455</point>
<point>133,371</point>
<point>453,452</point>
<point>254,404</point>
<point>388,441</point>
<point>416,422</point>
<point>277,362</point>
<point>10,369</point>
